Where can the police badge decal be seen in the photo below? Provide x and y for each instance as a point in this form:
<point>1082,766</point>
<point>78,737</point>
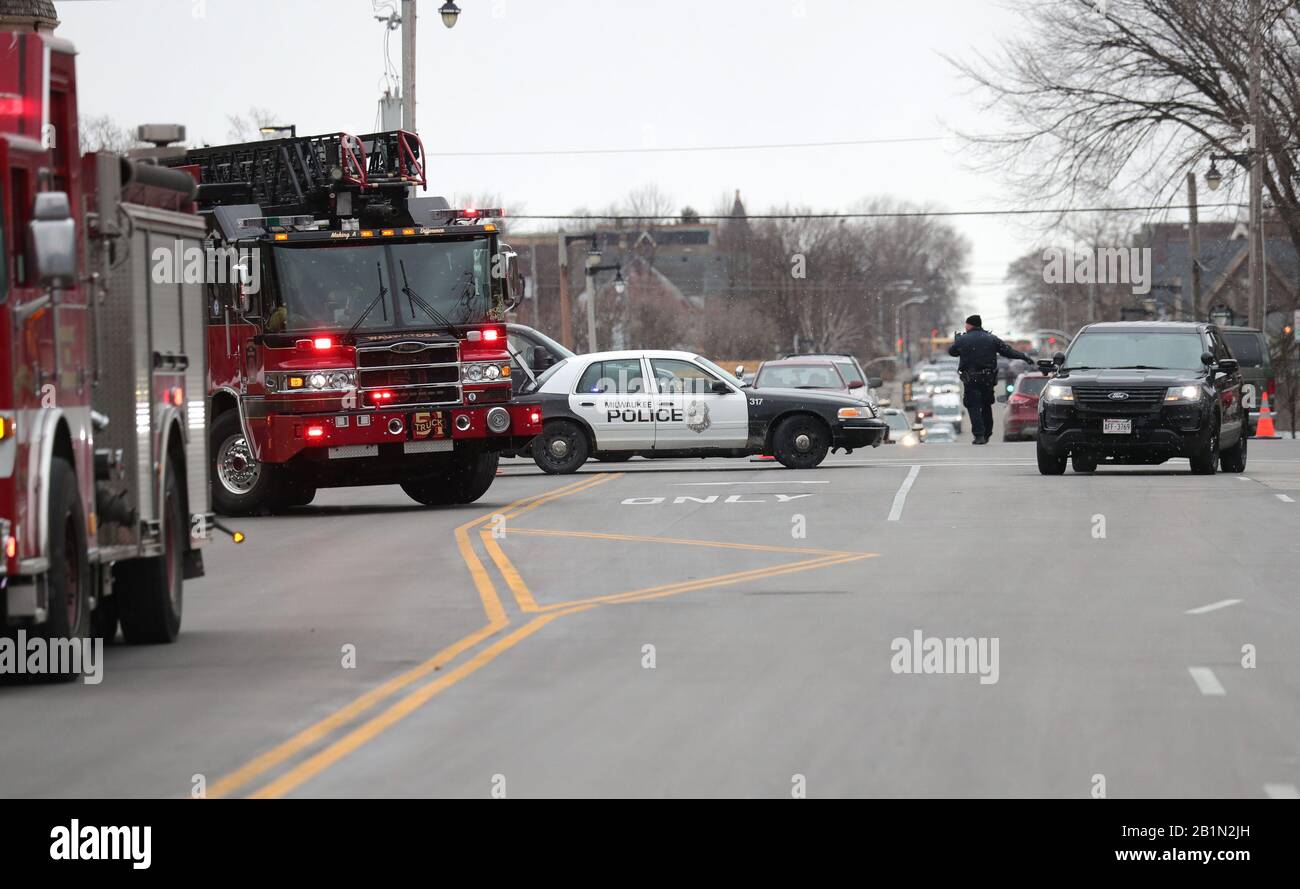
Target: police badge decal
<point>697,417</point>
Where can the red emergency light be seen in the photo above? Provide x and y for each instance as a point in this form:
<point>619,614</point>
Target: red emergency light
<point>319,343</point>
<point>381,395</point>
<point>479,213</point>
<point>315,431</point>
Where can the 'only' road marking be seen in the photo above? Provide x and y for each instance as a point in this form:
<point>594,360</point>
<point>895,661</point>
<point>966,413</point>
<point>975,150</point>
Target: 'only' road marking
<point>896,511</point>
<point>1206,681</point>
<point>1213,606</point>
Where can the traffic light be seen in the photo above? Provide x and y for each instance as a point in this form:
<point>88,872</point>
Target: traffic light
<point>934,333</point>
<point>1051,341</point>
<point>900,345</point>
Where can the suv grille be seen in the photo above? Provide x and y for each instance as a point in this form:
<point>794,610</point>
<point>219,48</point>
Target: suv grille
<point>1137,399</point>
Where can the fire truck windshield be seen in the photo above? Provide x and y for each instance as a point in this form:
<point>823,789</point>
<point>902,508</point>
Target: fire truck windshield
<point>321,287</point>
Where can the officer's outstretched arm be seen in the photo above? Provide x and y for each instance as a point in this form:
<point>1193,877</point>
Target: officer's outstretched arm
<point>954,350</point>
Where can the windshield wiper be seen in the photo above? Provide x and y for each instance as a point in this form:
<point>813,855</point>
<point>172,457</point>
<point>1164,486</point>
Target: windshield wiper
<point>1138,367</point>
<point>416,300</point>
<point>379,298</point>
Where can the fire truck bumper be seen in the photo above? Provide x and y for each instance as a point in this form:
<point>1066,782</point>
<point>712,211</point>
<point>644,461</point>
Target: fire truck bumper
<point>282,437</point>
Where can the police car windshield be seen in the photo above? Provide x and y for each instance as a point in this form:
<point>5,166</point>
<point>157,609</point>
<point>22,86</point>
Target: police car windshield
<point>545,375</point>
<point>709,365</point>
<point>1166,351</point>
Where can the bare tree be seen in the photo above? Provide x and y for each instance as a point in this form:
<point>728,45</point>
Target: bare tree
<point>103,133</point>
<point>1131,94</point>
<point>245,127</point>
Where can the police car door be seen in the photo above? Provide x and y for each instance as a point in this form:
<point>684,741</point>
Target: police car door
<point>611,397</point>
<point>690,414</point>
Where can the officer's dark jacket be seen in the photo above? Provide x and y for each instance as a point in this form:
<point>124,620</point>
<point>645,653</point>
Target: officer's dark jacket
<point>979,350</point>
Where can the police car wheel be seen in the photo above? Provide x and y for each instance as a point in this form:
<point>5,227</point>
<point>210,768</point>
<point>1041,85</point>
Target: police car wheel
<point>800,442</point>
<point>1205,462</point>
<point>1081,463</point>
<point>1049,464</point>
<point>561,448</point>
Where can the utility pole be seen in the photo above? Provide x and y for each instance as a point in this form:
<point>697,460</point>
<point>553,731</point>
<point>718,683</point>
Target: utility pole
<point>1255,147</point>
<point>1194,246</point>
<point>566,313</point>
<point>408,65</point>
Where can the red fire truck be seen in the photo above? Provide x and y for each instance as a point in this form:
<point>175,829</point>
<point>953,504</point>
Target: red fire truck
<point>361,337</point>
<point>103,495</point>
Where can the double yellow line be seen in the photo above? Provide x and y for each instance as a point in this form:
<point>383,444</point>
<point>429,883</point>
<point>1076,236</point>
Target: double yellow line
<point>319,731</point>
<point>497,620</point>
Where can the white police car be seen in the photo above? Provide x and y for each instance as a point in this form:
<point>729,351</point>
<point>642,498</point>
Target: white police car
<point>614,405</point>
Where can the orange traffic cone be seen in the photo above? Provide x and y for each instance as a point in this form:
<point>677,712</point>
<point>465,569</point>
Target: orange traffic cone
<point>1264,428</point>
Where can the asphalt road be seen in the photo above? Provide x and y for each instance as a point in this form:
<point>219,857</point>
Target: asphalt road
<point>719,628</point>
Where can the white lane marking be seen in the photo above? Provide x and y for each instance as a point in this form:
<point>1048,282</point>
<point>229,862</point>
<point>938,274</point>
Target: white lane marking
<point>1284,498</point>
<point>901,497</point>
<point>1213,606</point>
<point>793,481</point>
<point>1244,478</point>
<point>1281,791</point>
<point>1206,681</point>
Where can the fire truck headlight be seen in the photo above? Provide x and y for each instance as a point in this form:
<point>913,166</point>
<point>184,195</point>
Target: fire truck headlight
<point>318,381</point>
<point>340,380</point>
<point>474,373</point>
<point>491,372</point>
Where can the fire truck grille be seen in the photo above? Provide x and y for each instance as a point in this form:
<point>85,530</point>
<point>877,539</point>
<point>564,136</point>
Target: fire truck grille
<point>408,376</point>
<point>407,354</point>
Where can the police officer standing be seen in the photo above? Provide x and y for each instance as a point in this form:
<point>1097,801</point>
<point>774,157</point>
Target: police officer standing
<point>979,350</point>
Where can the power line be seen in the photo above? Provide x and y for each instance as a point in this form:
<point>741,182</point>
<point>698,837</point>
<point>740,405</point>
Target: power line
<point>776,145</point>
<point>910,214</point>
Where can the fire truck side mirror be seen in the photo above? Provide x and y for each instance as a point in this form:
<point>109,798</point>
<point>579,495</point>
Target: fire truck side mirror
<point>54,240</point>
<point>514,277</point>
<point>243,277</point>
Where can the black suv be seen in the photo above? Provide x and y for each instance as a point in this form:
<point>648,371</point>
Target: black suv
<point>1142,392</point>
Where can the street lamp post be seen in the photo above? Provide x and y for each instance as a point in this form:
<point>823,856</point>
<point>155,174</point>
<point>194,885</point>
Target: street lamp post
<point>898,325</point>
<point>593,268</point>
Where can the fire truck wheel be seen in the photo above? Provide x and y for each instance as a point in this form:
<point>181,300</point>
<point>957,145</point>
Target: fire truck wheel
<point>801,442</point>
<point>561,448</point>
<point>69,577</point>
<point>293,492</point>
<point>151,590</point>
<point>240,485</point>
<point>464,481</point>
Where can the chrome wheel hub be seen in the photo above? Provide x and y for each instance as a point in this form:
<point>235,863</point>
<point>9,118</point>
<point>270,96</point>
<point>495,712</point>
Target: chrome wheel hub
<point>237,470</point>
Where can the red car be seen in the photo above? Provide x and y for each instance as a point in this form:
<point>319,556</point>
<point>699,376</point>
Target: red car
<point>1021,420</point>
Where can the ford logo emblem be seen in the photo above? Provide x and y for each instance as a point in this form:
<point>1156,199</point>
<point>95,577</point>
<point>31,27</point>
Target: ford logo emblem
<point>1118,396</point>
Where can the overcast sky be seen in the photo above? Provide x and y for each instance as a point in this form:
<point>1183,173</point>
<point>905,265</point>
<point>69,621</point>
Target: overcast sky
<point>524,75</point>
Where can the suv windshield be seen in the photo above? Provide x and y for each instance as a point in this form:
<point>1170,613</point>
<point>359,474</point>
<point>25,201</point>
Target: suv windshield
<point>1180,351</point>
<point>799,376</point>
<point>331,287</point>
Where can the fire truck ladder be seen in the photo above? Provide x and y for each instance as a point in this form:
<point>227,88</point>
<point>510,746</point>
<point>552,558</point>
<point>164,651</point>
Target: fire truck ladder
<point>301,173</point>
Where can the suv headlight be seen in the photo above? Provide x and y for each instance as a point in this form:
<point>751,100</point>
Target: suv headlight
<point>1055,393</point>
<point>1183,394</point>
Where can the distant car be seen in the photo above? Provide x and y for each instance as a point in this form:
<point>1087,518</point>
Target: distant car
<point>531,353</point>
<point>849,367</point>
<point>1020,421</point>
<point>1249,346</point>
<point>941,433</point>
<point>613,405</point>
<point>900,430</point>
<point>816,372</point>
<point>947,409</point>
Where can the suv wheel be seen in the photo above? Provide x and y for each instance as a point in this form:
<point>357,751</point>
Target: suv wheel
<point>1049,464</point>
<point>1234,458</point>
<point>1204,463</point>
<point>1082,463</point>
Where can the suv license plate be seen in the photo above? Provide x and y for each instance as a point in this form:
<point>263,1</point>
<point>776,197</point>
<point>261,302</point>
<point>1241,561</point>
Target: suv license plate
<point>1117,427</point>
